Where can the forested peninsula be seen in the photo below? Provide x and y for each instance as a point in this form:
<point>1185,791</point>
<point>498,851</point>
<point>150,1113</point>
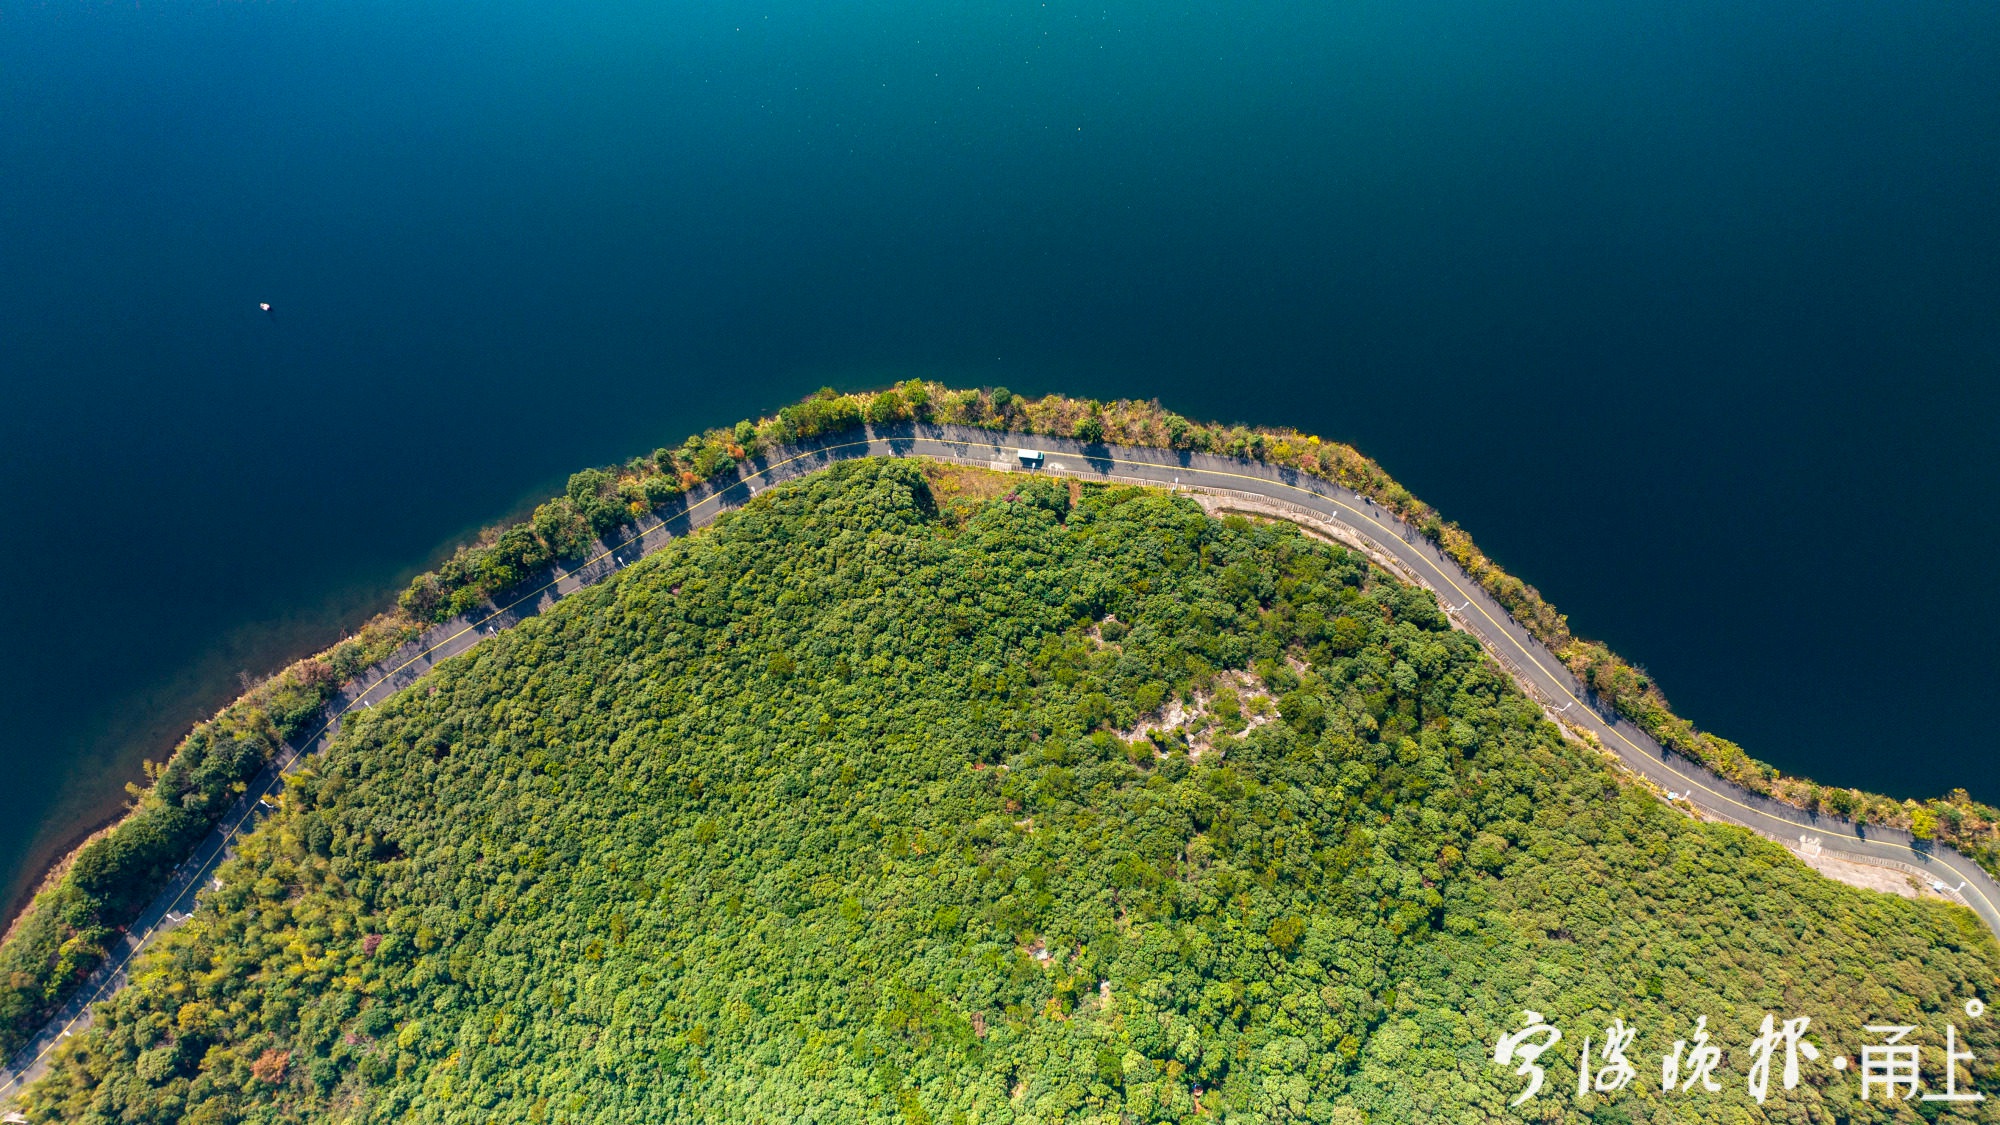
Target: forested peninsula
<point>867,804</point>
<point>929,795</point>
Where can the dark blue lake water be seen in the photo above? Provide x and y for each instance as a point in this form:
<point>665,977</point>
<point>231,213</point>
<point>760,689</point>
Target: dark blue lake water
<point>1689,310</point>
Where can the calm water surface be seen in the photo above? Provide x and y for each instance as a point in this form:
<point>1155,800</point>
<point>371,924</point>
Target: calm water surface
<point>1690,311</point>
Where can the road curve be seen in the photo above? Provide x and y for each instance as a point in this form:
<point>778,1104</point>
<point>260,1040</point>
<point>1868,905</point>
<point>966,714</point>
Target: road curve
<point>1530,662</point>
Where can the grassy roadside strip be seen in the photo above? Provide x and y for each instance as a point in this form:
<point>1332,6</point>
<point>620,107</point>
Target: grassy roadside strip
<point>60,937</point>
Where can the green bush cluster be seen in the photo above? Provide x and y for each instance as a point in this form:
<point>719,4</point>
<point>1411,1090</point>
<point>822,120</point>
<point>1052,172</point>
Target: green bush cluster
<point>858,807</point>
<point>110,879</point>
<point>62,934</point>
<point>597,502</point>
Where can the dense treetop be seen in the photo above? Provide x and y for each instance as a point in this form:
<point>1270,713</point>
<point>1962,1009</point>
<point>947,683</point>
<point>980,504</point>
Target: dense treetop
<point>955,797</point>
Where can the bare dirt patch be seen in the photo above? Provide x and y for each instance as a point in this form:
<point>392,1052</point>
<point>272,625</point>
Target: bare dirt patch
<point>1869,876</point>
<point>1235,704</point>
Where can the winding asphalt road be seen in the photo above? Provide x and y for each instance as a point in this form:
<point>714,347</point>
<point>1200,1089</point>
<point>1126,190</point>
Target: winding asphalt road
<point>1530,662</point>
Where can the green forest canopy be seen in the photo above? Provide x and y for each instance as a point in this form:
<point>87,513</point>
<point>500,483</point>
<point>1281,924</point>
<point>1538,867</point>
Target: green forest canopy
<point>824,815</point>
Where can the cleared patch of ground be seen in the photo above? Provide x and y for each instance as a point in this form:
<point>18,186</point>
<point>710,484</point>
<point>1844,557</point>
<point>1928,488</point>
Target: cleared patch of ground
<point>1889,880</point>
<point>1235,704</point>
<point>951,482</point>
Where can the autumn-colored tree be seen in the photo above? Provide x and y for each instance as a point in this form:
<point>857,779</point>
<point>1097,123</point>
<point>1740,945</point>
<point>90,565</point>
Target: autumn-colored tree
<point>270,1066</point>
